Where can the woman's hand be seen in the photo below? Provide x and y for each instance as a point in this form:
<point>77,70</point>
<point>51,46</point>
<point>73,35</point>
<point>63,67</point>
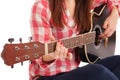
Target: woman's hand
<point>110,24</point>
<point>60,53</point>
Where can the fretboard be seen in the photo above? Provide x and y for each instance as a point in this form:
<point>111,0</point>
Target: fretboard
<point>73,42</point>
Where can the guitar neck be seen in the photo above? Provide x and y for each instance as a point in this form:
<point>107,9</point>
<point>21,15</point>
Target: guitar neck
<point>72,42</point>
<point>33,50</point>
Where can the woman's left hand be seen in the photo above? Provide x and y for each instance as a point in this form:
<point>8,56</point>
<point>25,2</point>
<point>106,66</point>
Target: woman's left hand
<point>110,24</point>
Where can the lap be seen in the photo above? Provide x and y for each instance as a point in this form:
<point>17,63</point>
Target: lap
<point>88,72</point>
<point>110,62</point>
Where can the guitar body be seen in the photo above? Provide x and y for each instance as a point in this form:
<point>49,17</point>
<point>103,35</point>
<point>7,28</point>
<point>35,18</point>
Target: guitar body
<point>100,48</point>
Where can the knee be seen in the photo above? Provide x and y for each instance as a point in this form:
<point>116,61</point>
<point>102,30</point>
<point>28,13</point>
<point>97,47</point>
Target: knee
<point>116,57</point>
<point>98,68</point>
<point>95,68</point>
<point>103,72</point>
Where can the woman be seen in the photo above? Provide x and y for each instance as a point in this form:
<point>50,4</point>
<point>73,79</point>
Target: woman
<point>56,19</point>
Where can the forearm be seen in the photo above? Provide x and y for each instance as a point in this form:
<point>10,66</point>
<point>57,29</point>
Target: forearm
<point>116,5</point>
<point>115,11</point>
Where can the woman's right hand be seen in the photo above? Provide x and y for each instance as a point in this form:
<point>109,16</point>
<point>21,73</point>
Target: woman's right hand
<point>60,53</point>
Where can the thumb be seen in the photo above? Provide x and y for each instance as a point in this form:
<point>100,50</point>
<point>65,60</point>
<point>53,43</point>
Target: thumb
<point>51,38</point>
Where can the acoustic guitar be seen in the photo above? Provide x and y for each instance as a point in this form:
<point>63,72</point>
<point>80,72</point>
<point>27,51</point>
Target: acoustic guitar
<point>16,53</point>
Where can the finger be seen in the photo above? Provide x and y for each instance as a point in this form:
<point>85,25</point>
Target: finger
<point>107,33</point>
<point>63,52</point>
<point>57,51</point>
<point>52,38</point>
<point>105,25</point>
<point>69,56</point>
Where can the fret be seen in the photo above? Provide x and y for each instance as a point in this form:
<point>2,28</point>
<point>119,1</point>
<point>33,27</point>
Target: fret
<point>66,42</point>
<point>79,40</point>
<point>69,42</point>
<point>51,47</point>
<point>73,42</point>
<point>89,38</point>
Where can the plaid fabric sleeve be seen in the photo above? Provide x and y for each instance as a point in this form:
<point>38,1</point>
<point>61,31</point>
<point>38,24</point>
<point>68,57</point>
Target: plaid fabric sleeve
<point>111,3</point>
<point>117,4</point>
<point>40,22</point>
<point>40,25</point>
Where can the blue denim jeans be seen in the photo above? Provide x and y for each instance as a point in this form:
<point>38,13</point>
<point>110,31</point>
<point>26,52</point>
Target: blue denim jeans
<point>105,69</point>
<point>111,63</point>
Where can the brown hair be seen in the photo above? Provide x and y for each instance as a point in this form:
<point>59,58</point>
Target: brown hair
<point>81,15</point>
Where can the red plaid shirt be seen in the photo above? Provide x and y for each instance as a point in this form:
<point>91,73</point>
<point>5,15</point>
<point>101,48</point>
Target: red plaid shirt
<point>42,27</point>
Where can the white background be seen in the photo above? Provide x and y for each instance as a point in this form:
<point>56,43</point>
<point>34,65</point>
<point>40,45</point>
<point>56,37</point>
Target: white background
<point>14,22</point>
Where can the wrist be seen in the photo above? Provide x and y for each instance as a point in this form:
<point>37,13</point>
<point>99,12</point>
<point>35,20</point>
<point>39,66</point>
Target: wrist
<point>115,11</point>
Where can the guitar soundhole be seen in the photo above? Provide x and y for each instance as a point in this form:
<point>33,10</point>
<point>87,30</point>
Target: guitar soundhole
<point>98,32</point>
